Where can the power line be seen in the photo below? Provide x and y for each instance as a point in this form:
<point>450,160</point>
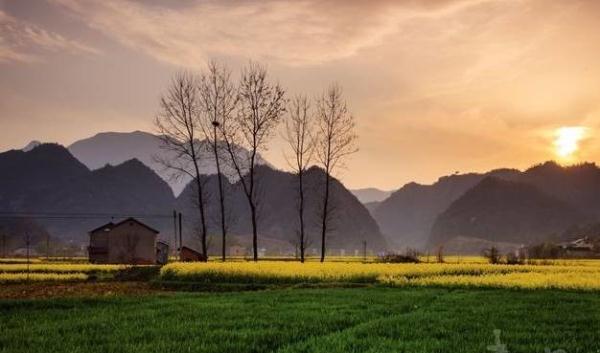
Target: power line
<point>78,215</point>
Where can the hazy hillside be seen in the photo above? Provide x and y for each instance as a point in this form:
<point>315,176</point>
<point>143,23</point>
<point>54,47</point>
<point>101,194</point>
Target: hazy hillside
<point>368,195</point>
<point>278,220</point>
<point>117,147</point>
<point>579,185</point>
<point>504,211</point>
<point>372,206</point>
<point>12,231</point>
<point>406,217</point>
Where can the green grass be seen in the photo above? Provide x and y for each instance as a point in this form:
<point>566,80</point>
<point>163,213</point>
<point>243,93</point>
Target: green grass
<point>307,320</point>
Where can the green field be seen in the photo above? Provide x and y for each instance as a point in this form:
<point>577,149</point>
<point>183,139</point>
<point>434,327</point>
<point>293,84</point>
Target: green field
<point>307,320</point>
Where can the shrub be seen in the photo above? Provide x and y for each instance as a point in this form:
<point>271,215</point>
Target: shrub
<point>493,255</point>
<point>409,257</point>
<point>513,259</point>
<point>546,251</point>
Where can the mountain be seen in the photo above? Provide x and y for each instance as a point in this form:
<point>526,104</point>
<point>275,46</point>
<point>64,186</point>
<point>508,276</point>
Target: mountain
<point>31,145</point>
<point>278,220</point>
<point>499,210</point>
<point>61,197</point>
<point>49,180</point>
<point>578,185</point>
<point>372,206</point>
<point>406,217</point>
<point>114,148</point>
<point>368,195</point>
<point>46,167</point>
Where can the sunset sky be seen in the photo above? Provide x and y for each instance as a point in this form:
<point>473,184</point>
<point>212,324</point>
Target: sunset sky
<point>436,86</point>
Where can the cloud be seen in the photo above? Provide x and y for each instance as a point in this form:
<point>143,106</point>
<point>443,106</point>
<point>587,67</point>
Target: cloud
<point>294,33</point>
<point>23,42</point>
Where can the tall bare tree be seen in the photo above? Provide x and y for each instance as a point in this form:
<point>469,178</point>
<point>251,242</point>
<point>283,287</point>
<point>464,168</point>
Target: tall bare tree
<point>261,105</point>
<point>218,100</point>
<point>299,135</point>
<point>336,140</point>
<point>177,126</point>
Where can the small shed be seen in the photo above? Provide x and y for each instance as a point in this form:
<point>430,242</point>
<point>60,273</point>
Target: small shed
<point>162,252</point>
<point>191,255</point>
<point>127,242</point>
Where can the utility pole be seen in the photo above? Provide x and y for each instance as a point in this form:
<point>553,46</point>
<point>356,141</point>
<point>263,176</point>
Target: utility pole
<point>180,238</point>
<point>27,242</point>
<point>174,250</point>
<point>3,244</point>
<point>364,250</point>
<point>47,246</point>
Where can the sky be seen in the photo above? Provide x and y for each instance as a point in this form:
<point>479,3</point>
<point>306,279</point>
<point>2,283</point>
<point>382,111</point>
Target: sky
<point>436,86</point>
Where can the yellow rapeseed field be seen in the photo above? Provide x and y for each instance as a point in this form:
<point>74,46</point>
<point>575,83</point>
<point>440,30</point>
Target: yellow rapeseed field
<point>59,268</point>
<point>37,277</point>
<point>572,274</point>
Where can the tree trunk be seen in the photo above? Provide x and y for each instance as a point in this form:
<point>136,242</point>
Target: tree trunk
<point>325,215</point>
<point>221,200</point>
<point>201,209</point>
<point>301,214</point>
<point>252,201</point>
<point>254,232</point>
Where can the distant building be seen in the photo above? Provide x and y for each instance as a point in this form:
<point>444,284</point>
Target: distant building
<point>22,252</point>
<point>237,250</point>
<point>191,255</point>
<point>581,244</point>
<point>127,242</point>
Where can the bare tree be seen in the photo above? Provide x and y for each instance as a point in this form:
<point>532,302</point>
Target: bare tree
<point>261,105</point>
<point>218,100</point>
<point>299,135</point>
<point>336,140</point>
<point>177,126</point>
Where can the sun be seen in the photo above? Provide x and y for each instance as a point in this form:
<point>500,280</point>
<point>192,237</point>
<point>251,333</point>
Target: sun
<point>566,142</point>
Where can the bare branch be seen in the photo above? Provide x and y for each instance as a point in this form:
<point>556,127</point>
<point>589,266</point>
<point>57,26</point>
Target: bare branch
<point>261,105</point>
<point>178,128</point>
<point>336,141</point>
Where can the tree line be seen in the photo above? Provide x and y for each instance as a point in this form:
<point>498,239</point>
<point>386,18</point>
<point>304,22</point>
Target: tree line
<point>235,119</point>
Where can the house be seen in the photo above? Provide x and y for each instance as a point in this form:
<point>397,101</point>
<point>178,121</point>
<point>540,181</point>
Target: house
<point>581,244</point>
<point>127,242</point>
<point>189,255</point>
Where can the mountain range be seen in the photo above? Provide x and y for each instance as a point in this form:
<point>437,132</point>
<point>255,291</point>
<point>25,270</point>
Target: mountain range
<point>68,199</point>
<point>116,174</point>
<point>504,206</point>
<point>114,148</point>
<point>371,195</point>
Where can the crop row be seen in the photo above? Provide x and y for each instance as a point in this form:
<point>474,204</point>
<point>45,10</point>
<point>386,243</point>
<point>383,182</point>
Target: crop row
<point>576,276</point>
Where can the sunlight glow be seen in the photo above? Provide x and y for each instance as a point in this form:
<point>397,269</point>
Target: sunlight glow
<point>567,139</point>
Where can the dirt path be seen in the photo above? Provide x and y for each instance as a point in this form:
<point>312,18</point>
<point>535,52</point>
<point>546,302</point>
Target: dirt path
<point>70,290</point>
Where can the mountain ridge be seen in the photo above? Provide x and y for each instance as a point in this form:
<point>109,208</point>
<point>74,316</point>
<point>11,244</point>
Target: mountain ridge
<point>117,147</point>
<point>49,179</point>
